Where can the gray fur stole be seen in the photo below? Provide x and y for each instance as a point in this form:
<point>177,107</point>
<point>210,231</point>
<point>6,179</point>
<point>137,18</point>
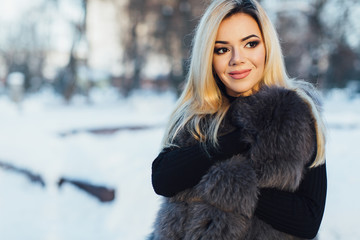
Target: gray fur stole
<point>280,129</point>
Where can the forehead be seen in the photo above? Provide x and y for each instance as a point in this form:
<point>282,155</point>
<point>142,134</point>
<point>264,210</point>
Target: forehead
<point>238,25</point>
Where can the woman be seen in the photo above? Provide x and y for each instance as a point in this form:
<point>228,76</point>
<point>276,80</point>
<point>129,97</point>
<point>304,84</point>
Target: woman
<point>243,155</point>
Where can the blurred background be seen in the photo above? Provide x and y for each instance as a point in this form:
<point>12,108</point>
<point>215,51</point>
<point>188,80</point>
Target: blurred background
<point>86,88</point>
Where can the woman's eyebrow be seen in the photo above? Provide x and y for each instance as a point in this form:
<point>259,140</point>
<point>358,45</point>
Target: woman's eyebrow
<point>242,40</point>
<point>221,42</point>
<point>250,36</point>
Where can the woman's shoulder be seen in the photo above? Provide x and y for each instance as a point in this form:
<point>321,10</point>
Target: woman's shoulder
<point>271,106</point>
<point>272,98</point>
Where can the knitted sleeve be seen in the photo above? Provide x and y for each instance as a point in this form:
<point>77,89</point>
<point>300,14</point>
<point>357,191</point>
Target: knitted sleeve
<point>177,169</point>
<point>298,213</point>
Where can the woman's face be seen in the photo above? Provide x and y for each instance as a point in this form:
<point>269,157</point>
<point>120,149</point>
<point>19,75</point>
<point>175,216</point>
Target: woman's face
<point>239,55</point>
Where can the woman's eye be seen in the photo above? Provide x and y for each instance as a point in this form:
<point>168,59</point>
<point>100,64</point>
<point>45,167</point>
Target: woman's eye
<point>221,50</point>
<point>252,44</point>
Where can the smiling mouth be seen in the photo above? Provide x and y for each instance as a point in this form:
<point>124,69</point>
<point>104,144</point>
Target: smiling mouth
<point>240,74</point>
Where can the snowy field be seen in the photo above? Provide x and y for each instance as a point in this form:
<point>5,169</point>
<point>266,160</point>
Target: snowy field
<point>50,138</point>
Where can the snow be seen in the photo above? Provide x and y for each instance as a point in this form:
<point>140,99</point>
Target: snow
<point>33,136</point>
<point>342,208</point>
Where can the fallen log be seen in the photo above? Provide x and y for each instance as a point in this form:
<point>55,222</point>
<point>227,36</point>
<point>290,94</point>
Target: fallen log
<point>33,177</point>
<point>102,193</point>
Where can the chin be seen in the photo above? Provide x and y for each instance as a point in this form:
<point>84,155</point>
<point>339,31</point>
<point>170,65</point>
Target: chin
<point>238,93</point>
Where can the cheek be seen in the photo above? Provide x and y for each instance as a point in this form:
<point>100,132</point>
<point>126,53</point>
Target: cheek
<point>259,58</point>
<point>219,64</point>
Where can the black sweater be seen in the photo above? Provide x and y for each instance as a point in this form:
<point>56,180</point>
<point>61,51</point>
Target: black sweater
<point>298,213</point>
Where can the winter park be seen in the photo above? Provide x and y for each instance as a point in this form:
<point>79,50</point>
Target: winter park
<point>87,88</point>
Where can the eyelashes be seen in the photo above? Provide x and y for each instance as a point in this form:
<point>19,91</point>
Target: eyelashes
<point>252,44</point>
<point>222,50</point>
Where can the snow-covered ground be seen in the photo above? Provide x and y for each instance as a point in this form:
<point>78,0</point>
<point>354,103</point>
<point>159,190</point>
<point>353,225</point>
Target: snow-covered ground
<point>32,137</point>
<point>343,151</point>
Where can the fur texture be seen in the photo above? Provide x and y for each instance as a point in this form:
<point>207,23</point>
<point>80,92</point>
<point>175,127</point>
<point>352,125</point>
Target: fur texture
<point>279,127</point>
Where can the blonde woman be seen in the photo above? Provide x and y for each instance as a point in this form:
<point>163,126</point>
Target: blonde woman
<point>243,154</point>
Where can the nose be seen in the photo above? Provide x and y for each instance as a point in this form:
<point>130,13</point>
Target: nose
<point>237,57</point>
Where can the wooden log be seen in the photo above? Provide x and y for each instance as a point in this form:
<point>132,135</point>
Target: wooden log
<point>102,193</point>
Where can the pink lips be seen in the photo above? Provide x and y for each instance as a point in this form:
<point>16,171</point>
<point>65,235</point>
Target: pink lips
<point>240,74</point>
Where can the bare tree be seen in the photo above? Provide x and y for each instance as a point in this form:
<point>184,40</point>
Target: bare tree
<point>159,27</point>
<point>67,78</point>
<point>344,59</point>
<point>24,47</point>
<point>134,53</point>
<point>174,33</point>
<point>312,42</point>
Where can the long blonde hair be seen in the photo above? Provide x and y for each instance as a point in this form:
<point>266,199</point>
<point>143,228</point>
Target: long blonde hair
<point>202,97</point>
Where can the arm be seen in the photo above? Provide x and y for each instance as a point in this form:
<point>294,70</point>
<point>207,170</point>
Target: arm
<point>221,201</point>
<point>177,169</point>
<point>282,147</point>
<point>299,213</point>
